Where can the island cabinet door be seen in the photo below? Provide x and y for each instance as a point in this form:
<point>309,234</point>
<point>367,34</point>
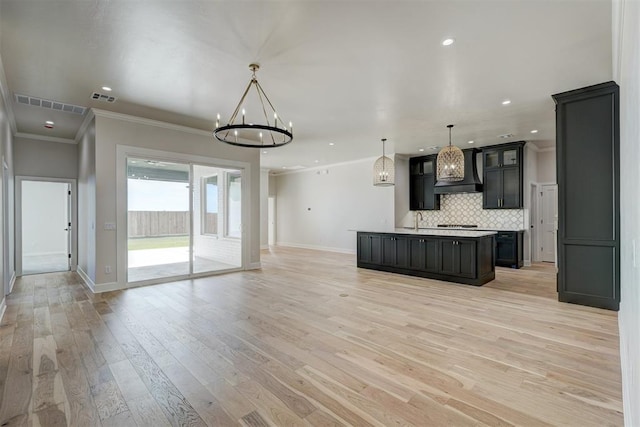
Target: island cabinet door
<point>422,254</point>
<point>395,251</point>
<point>458,257</point>
<point>467,258</point>
<point>369,248</point>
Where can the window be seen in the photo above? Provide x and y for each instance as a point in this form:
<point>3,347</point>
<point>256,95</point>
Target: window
<point>234,204</point>
<point>210,205</point>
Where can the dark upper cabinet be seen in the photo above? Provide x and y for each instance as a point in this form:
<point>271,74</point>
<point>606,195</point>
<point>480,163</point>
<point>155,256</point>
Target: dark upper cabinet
<point>503,176</point>
<point>422,178</point>
<point>588,173</point>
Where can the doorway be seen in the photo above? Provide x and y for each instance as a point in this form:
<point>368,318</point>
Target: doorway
<point>183,219</point>
<point>548,222</point>
<point>44,241</point>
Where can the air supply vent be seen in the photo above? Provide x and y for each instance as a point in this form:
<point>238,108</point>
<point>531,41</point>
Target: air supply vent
<point>49,104</point>
<point>102,97</point>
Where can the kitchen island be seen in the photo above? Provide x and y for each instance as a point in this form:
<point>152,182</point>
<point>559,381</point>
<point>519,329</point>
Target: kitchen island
<point>459,256</point>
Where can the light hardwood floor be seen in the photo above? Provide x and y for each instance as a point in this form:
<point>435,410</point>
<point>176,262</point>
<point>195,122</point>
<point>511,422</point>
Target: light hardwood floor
<point>308,340</point>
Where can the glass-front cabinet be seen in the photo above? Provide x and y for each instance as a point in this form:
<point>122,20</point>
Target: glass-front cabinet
<point>503,176</point>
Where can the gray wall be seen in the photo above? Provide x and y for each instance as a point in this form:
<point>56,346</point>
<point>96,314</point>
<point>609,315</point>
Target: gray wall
<point>7,246</point>
<point>547,166</point>
<point>87,202</point>
<point>112,130</point>
<point>40,158</point>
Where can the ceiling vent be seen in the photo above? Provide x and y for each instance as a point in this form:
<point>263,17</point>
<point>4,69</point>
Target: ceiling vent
<point>51,105</point>
<point>102,97</point>
<point>506,136</point>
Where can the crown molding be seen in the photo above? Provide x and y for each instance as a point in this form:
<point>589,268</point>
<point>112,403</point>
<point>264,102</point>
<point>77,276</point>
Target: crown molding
<point>44,138</point>
<point>4,90</point>
<point>150,122</point>
<point>321,167</point>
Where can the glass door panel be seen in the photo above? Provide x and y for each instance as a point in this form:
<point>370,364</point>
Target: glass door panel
<point>159,219</point>
<point>216,219</point>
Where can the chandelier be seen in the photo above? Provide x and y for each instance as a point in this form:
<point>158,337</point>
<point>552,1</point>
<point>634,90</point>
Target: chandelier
<point>383,170</point>
<point>450,162</point>
<point>242,133</point>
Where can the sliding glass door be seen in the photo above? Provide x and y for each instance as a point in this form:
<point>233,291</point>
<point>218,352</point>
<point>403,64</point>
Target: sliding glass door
<point>183,219</point>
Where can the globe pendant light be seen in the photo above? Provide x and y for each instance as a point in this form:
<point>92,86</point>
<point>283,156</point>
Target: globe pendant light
<point>384,172</point>
<point>450,162</point>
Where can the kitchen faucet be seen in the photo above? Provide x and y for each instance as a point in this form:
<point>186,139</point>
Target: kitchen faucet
<point>418,214</point>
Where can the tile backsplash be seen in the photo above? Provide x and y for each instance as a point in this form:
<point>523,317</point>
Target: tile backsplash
<point>466,208</point>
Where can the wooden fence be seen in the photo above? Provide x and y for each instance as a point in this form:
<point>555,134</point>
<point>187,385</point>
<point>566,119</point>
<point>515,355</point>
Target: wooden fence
<point>158,223</point>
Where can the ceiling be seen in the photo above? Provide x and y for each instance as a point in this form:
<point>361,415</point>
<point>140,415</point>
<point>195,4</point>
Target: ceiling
<point>344,72</point>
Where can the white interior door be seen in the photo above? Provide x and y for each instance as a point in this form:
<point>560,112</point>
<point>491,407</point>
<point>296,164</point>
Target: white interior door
<point>549,222</point>
<point>271,219</point>
<point>46,227</point>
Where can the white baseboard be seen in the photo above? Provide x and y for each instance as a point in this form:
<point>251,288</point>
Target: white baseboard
<point>262,247</point>
<point>316,248</point>
<point>527,263</point>
<point>12,281</point>
<point>3,307</point>
<point>107,287</point>
<point>254,266</point>
<point>86,279</point>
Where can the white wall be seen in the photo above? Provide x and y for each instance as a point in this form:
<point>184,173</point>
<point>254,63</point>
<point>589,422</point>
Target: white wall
<point>626,63</point>
<point>117,129</point>
<point>530,176</point>
<point>318,208</point>
<point>264,208</point>
<point>87,203</point>
<point>45,159</point>
<point>547,166</point>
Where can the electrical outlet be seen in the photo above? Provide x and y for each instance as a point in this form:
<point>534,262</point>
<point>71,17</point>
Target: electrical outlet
<point>107,269</point>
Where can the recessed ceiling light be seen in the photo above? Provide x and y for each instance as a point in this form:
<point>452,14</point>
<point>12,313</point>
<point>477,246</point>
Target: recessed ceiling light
<point>534,131</point>
<point>49,122</point>
<point>331,143</point>
<point>316,161</point>
<point>471,142</point>
<point>107,88</point>
<point>447,42</point>
<point>284,167</point>
<point>420,149</point>
<point>506,102</point>
<point>264,152</point>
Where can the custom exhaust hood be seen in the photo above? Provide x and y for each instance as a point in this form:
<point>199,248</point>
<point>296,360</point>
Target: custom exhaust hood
<point>470,183</point>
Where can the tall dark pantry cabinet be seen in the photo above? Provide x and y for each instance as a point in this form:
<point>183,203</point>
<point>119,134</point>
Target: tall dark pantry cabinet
<point>588,173</point>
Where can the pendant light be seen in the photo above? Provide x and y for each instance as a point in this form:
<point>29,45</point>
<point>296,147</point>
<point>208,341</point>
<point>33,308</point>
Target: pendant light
<point>450,162</point>
<point>384,172</point>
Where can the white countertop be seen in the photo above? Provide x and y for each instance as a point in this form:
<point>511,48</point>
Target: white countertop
<point>477,229</point>
<point>437,232</point>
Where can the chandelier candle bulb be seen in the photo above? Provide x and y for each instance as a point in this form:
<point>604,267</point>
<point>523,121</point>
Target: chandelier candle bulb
<point>290,127</point>
<point>260,137</point>
<point>235,132</point>
<point>275,119</point>
<point>243,116</point>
